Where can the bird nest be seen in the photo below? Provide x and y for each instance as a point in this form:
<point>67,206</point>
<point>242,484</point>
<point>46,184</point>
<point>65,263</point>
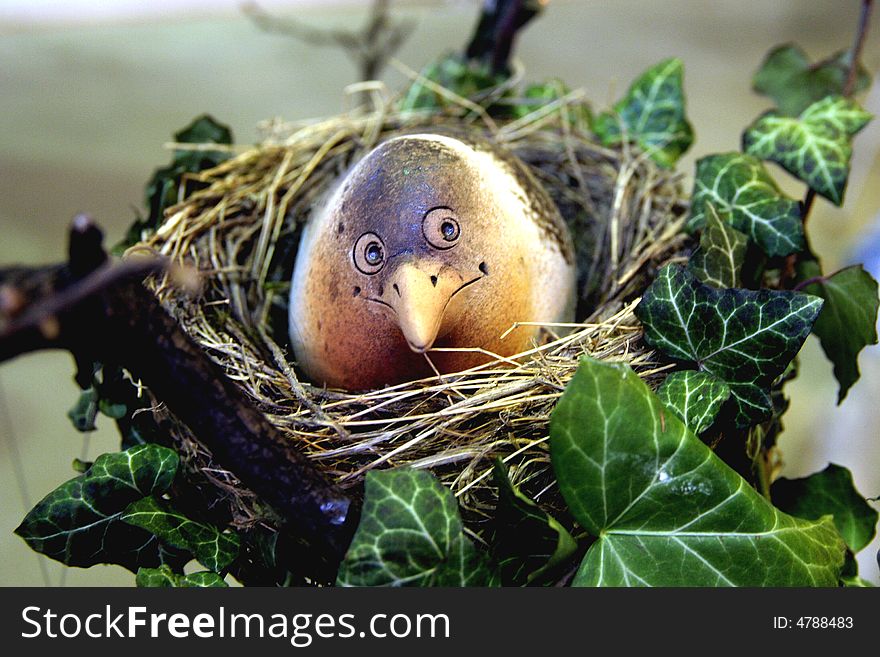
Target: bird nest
<point>241,230</point>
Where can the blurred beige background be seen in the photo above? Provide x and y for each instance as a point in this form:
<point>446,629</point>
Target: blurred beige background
<point>88,95</point>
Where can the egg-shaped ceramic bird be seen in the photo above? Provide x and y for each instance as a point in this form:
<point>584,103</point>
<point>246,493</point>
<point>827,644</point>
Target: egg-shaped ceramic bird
<point>428,241</point>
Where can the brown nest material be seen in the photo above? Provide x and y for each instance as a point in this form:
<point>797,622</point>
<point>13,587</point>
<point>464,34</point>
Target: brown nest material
<point>241,230</point>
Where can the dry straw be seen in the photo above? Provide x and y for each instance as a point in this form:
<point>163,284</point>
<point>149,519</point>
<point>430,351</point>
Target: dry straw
<point>241,231</point>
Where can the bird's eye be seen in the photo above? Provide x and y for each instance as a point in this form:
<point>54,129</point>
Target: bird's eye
<point>373,254</point>
<point>369,253</point>
<point>441,228</point>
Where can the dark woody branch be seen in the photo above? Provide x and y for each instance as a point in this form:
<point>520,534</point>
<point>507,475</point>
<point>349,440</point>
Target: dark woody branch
<point>499,23</point>
<point>100,311</point>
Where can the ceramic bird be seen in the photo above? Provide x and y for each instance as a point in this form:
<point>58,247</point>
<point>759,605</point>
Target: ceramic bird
<point>430,240</point>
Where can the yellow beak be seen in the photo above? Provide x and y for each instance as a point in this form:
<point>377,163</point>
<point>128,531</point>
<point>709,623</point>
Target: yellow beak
<point>419,295</point>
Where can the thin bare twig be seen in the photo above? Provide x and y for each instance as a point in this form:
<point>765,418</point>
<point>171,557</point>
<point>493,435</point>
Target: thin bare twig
<point>852,74</point>
<point>370,47</point>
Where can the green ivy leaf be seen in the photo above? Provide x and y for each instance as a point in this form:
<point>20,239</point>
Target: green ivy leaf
<point>849,576</point>
<point>718,262</point>
<point>739,187</point>
<point>163,189</point>
<point>65,526</point>
<point>111,410</point>
<point>85,410</point>
<point>651,113</point>
<point>856,582</point>
<point>742,337</point>
<point>464,77</point>
<point>212,548</point>
<point>410,534</point>
<point>204,129</point>
<point>830,492</point>
<point>78,523</point>
<point>694,397</point>
<point>529,543</point>
<point>815,146</point>
<point>794,83</point>
<point>665,510</point>
<point>165,577</point>
<point>264,559</point>
<point>81,466</point>
<point>137,472</point>
<point>114,394</point>
<point>536,96</point>
<point>848,321</point>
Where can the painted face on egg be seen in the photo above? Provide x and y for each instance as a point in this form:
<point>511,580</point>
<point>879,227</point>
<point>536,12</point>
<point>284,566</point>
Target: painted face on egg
<point>423,245</point>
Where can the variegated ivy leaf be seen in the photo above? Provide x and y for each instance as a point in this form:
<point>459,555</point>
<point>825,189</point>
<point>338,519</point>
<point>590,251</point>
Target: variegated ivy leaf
<point>794,82</point>
<point>464,77</point>
<point>695,397</point>
<point>815,146</point>
<point>165,577</point>
<point>79,522</point>
<point>410,534</point>
<point>718,262</point>
<point>211,548</point>
<point>742,337</point>
<point>577,113</point>
<point>665,510</point>
<point>739,186</point>
<point>652,114</point>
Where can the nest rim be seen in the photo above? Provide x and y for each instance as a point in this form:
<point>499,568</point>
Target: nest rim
<point>233,231</point>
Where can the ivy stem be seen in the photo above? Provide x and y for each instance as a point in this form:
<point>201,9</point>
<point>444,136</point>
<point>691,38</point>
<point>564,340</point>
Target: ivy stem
<point>816,279</point>
<point>849,86</point>
<point>764,474</point>
<point>808,205</point>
